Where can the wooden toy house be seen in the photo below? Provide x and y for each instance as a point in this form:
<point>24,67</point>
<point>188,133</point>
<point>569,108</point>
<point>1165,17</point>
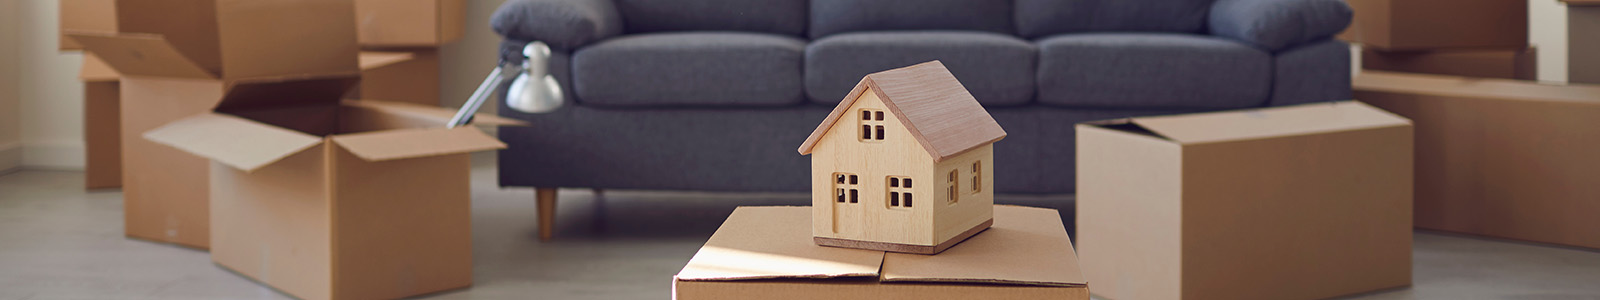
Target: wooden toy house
<point>903,164</point>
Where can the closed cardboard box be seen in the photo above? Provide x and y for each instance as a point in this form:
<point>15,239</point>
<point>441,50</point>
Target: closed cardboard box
<point>1300,202</point>
<point>1435,24</point>
<point>767,253</point>
<point>1486,63</point>
<point>410,76</point>
<point>410,23</point>
<point>1500,158</point>
<point>178,59</point>
<point>85,16</point>
<point>102,168</point>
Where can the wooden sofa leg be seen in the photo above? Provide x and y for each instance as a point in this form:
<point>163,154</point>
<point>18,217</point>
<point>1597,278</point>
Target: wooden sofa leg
<point>547,212</point>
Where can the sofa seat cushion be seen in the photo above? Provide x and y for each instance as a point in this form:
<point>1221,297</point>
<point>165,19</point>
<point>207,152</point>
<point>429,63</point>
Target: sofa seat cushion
<point>690,69</point>
<point>1151,70</point>
<point>998,69</point>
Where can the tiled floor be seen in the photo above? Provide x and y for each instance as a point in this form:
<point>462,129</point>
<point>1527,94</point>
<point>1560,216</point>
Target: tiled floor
<point>59,242</point>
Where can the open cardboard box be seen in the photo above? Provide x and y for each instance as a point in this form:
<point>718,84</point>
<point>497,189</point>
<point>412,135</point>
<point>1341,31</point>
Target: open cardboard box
<point>401,76</point>
<point>101,122</point>
<point>1435,24</point>
<point>410,23</point>
<point>1501,158</point>
<point>1298,202</point>
<point>178,59</point>
<point>85,15</point>
<point>767,253</point>
<point>1519,64</point>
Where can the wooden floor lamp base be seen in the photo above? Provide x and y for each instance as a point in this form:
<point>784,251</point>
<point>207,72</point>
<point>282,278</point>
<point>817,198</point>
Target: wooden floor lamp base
<point>903,248</point>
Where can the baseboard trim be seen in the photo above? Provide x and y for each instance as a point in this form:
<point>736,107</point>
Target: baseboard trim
<point>53,155</point>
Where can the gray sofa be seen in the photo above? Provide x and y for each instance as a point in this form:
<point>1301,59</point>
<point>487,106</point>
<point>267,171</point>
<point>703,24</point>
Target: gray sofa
<point>717,94</point>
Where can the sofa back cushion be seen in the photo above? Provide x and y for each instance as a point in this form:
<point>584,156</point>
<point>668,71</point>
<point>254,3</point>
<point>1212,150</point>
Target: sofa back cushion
<point>840,16</point>
<point>1039,18</point>
<point>786,17</point>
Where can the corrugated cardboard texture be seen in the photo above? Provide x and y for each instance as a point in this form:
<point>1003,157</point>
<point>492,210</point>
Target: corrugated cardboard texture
<point>410,23</point>
<point>274,225</point>
<point>188,25</point>
<point>86,15</point>
<point>287,37</point>
<point>413,143</point>
<point>1498,157</point>
<point>412,81</point>
<point>1435,24</point>
<point>761,253</point>
<point>141,55</point>
<point>1506,64</point>
<point>403,227</point>
<point>1315,214</point>
<point>164,190</point>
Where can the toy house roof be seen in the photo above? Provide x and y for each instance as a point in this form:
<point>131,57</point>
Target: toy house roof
<point>935,107</point>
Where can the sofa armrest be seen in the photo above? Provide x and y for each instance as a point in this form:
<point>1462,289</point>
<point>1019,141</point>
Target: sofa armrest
<point>1277,24</point>
<point>562,24</point>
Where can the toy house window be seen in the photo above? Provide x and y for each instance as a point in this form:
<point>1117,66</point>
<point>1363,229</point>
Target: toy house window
<point>871,125</point>
<point>846,188</point>
<point>900,192</point>
<point>977,176</point>
<point>954,188</point>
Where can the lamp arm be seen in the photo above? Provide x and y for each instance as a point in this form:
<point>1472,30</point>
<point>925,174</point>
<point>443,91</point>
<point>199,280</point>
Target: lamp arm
<point>484,92</point>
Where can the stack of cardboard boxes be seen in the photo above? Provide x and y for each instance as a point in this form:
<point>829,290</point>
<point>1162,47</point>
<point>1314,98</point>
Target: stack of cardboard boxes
<point>1494,156</point>
<point>236,137</point>
<point>1476,38</point>
<point>399,62</point>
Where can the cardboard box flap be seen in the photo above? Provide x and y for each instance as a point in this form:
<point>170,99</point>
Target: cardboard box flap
<point>772,243</point>
<point>286,91</point>
<point>1467,87</point>
<point>1025,246</point>
<point>413,143</point>
<point>443,115</point>
<point>140,55</point>
<point>96,70</point>
<point>237,142</point>
<point>377,59</point>
<point>1269,122</point>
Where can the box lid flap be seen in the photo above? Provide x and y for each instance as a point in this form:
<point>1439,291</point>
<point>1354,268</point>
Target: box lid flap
<point>1024,246</point>
<point>1470,87</point>
<point>1269,122</point>
<point>413,143</point>
<point>237,142</point>
<point>140,54</point>
<point>96,70</point>
<point>286,91</point>
<point>443,115</point>
<point>377,59</point>
<point>771,243</point>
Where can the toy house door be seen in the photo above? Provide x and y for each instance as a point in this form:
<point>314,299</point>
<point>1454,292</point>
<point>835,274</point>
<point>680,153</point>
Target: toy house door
<point>847,195</point>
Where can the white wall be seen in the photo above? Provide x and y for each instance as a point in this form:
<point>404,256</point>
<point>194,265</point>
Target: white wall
<point>1547,30</point>
<point>10,105</point>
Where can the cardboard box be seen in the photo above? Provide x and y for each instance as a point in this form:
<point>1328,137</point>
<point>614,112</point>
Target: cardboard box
<point>1434,24</point>
<point>1508,64</point>
<point>1299,202</point>
<point>1500,158</point>
<point>86,16</point>
<point>410,23</point>
<point>767,253</point>
<point>1583,36</point>
<point>328,200</point>
<point>410,77</point>
<point>102,140</point>
<point>179,60</point>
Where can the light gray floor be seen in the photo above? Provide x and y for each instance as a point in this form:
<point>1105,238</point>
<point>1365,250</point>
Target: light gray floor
<point>60,242</point>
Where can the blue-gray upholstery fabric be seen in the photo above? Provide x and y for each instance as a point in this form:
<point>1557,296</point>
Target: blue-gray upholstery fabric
<point>563,24</point>
<point>998,69</point>
<point>1151,70</point>
<point>830,17</point>
<point>1312,73</point>
<point>744,149</point>
<point>1038,18</point>
<point>786,17</point>
<point>690,69</point>
<point>1277,24</point>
